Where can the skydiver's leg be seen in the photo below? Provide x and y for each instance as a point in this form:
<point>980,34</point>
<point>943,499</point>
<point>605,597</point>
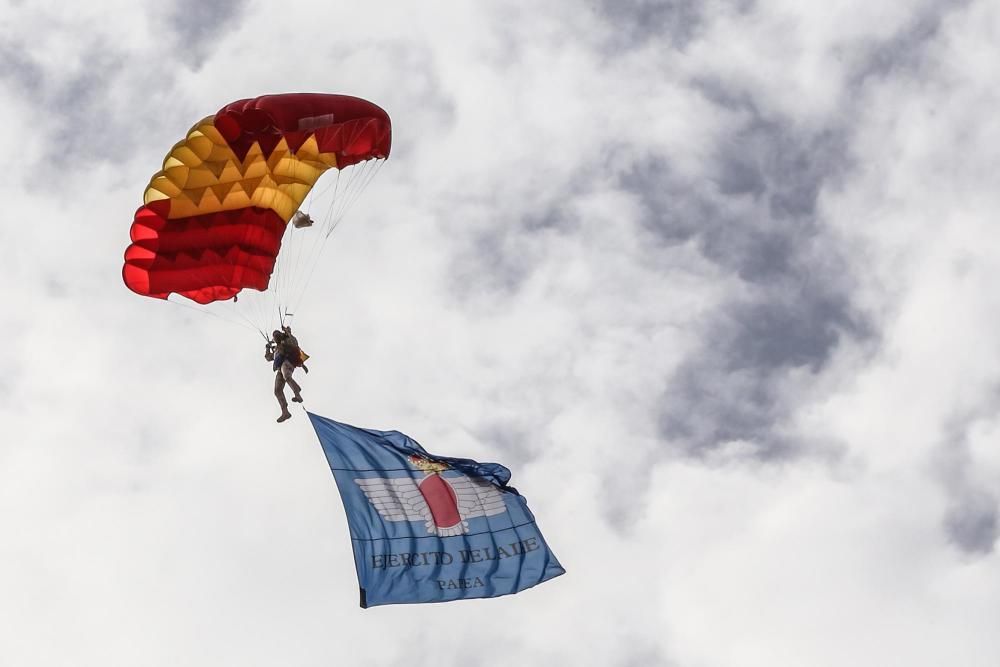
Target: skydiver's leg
<point>279,390</point>
<point>286,372</point>
<point>279,393</point>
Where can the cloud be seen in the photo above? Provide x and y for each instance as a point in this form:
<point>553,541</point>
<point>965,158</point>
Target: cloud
<point>906,48</point>
<point>754,214</point>
<point>18,68</point>
<point>714,280</point>
<point>198,26</point>
<point>972,522</point>
<point>968,473</point>
<point>635,23</point>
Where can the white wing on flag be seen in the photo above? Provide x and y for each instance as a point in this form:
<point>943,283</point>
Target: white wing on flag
<point>397,499</point>
<point>476,497</point>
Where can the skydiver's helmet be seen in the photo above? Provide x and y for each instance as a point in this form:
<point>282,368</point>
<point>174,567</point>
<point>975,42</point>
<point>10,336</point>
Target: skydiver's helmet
<point>277,335</point>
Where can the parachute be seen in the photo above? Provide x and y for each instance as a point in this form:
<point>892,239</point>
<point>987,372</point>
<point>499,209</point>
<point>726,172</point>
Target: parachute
<point>213,228</point>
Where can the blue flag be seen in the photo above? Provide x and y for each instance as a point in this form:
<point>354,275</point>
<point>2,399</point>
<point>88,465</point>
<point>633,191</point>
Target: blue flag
<point>428,528</point>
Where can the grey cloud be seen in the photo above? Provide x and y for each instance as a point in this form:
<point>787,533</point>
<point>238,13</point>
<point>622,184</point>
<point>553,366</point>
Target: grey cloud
<point>81,113</point>
<point>756,219</point>
<point>906,49</point>
<point>512,441</point>
<point>89,126</point>
<point>754,214</point>
<point>735,388</point>
<point>972,523</point>
<point>95,121</point>
<point>497,260</point>
<point>428,103</point>
<point>799,306</point>
<point>707,406</point>
<point>637,22</point>
<point>497,252</point>
<point>76,112</point>
<point>21,71</point>
<point>555,217</point>
<point>972,519</point>
<point>55,286</point>
<point>198,23</point>
<point>625,487</point>
<point>798,325</point>
<point>502,251</point>
<point>642,653</point>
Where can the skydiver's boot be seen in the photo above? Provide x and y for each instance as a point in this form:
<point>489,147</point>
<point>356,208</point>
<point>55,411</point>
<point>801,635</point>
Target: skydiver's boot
<point>285,414</point>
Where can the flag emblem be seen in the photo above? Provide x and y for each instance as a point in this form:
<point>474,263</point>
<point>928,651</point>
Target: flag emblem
<point>444,504</point>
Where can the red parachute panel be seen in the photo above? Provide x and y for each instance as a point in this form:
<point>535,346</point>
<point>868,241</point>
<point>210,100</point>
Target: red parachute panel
<point>350,127</point>
<point>204,258</point>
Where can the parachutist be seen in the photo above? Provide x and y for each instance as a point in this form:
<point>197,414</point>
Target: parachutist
<point>285,354</point>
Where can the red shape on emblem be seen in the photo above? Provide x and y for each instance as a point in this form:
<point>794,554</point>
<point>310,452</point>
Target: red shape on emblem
<point>441,500</point>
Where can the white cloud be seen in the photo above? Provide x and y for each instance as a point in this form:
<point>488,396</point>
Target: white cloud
<point>723,302</point>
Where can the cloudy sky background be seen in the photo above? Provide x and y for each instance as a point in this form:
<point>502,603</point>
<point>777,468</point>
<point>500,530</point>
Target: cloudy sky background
<point>716,280</point>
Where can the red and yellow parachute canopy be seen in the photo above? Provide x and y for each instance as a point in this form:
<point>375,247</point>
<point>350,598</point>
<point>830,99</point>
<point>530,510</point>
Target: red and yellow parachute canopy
<point>214,217</point>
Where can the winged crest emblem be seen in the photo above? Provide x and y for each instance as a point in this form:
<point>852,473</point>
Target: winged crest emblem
<point>443,504</point>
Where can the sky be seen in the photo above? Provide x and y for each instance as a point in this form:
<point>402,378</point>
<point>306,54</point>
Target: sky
<point>714,279</point>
